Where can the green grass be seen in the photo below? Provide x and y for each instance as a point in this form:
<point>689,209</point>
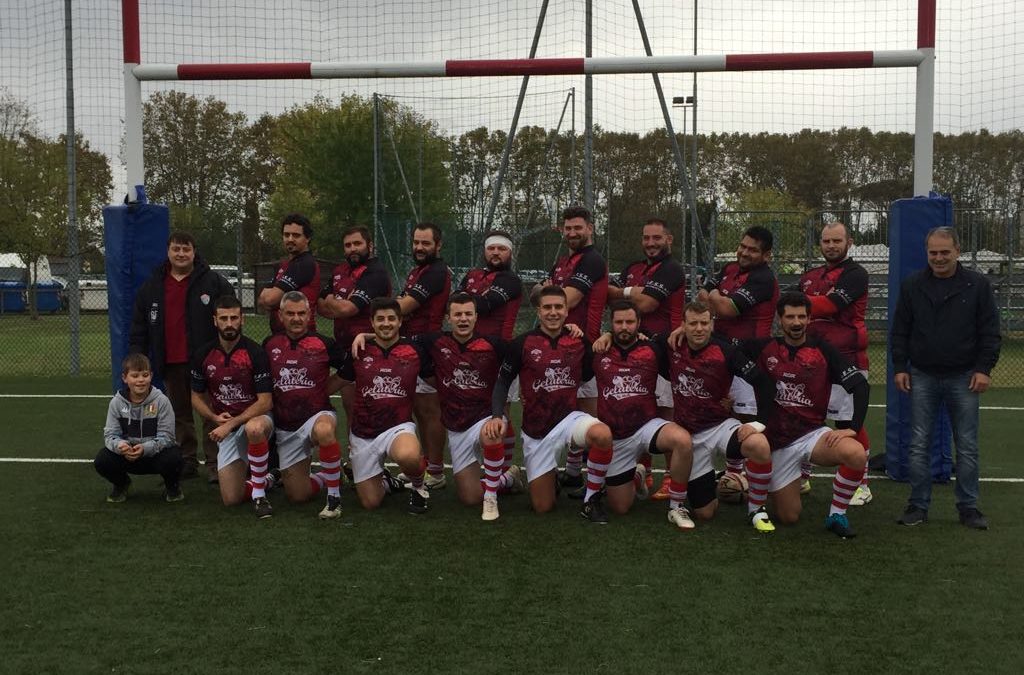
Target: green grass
<point>147,586</point>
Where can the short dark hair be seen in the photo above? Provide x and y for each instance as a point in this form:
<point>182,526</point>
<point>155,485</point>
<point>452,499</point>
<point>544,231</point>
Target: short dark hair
<point>181,237</point>
<point>578,211</point>
<point>696,307</point>
<point>227,301</point>
<point>357,229</point>
<point>622,306</point>
<point>792,299</point>
<point>298,219</point>
<point>137,362</point>
<point>762,235</point>
<point>434,229</point>
<point>657,221</point>
<point>459,298</point>
<point>550,289</point>
<point>385,303</point>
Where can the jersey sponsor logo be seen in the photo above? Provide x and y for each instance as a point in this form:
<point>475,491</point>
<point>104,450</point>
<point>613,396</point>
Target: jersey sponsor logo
<point>465,378</point>
<point>624,386</point>
<point>446,351</point>
<point>690,386</point>
<point>792,394</point>
<point>231,393</point>
<point>556,379</point>
<point>385,387</point>
<point>772,362</point>
<point>275,352</point>
<point>535,354</point>
<point>289,379</point>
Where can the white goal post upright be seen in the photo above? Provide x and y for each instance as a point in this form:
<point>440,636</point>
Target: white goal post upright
<point>922,59</point>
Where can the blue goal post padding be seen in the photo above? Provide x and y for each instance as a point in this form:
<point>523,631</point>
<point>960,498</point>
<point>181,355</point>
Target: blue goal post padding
<point>135,240</point>
<point>909,222</point>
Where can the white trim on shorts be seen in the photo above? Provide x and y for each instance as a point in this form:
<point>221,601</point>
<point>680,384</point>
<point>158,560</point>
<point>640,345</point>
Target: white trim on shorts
<point>542,455</point>
<point>230,450</point>
<point>424,387</point>
<point>588,389</point>
<point>367,454</point>
<point>626,451</point>
<point>663,391</point>
<point>786,461</point>
<point>465,445</point>
<point>711,442</point>
<point>295,446</point>
<point>743,400</point>
<point>840,403</point>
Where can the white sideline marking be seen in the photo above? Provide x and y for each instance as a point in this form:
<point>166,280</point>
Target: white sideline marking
<point>64,460</point>
<point>107,396</point>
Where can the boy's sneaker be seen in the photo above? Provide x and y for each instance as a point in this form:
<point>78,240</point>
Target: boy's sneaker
<point>805,486</point>
<point>490,511</point>
<point>643,490</point>
<point>263,508</point>
<point>593,510</point>
<point>518,485</point>
<point>974,519</point>
<point>432,482</point>
<point>662,493</point>
<point>680,517</point>
<point>862,496</point>
<point>119,493</point>
<point>761,522</point>
<point>838,525</point>
<point>913,516</point>
<point>273,478</point>
<point>392,484</point>
<point>332,509</point>
<point>173,493</point>
<point>419,501</point>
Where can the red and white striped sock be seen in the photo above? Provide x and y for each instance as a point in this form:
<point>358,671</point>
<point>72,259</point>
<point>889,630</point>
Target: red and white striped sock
<point>509,446</point>
<point>862,438</point>
<point>676,493</point>
<point>258,458</point>
<point>843,486</point>
<point>317,481</point>
<point>330,463</point>
<point>759,476</point>
<point>597,466</point>
<point>574,461</point>
<point>494,457</point>
<point>805,470</point>
<point>734,465</point>
<point>416,478</point>
<point>435,469</point>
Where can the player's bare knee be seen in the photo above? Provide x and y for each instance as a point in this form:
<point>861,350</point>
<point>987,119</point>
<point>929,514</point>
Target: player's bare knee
<point>706,512</point>
<point>256,430</point>
<point>788,514</point>
<point>853,455</point>
<point>370,501</point>
<point>756,447</point>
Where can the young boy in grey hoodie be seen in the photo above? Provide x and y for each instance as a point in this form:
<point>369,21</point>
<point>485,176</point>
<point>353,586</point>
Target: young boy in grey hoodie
<point>138,436</point>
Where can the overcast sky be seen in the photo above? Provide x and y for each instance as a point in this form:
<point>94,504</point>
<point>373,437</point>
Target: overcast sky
<point>980,68</point>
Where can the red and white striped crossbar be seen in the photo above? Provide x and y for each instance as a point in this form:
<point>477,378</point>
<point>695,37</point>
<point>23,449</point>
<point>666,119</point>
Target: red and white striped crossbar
<point>557,66</point>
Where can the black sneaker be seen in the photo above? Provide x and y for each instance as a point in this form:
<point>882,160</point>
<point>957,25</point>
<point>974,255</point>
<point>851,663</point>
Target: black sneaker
<point>974,519</point>
<point>173,493</point>
<point>346,468</point>
<point>567,480</point>
<point>914,516</point>
<point>332,509</point>
<point>578,492</point>
<point>263,508</point>
<point>419,501</point>
<point>391,484</point>
<point>593,510</point>
<point>119,493</point>
<point>273,479</point>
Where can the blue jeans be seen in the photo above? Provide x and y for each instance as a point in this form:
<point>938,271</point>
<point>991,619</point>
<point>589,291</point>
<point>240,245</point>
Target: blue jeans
<point>927,393</point>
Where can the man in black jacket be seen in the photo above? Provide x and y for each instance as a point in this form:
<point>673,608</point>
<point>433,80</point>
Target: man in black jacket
<point>945,341</point>
<point>172,318</point>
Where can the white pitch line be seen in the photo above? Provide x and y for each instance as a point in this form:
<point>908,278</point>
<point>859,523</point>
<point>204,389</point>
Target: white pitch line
<point>64,460</point>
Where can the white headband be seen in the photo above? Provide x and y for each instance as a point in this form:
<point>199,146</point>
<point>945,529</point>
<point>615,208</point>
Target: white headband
<point>498,240</point>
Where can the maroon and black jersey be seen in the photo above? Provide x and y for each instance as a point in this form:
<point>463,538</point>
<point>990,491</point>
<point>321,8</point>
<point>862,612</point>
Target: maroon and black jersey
<point>550,371</point>
<point>803,378</point>
<point>428,285</point>
<point>300,369</point>
<point>498,295</point>
<point>846,286</point>
<point>664,280</point>
<point>359,285</point>
<point>385,382</point>
<point>465,375</point>
<point>754,293</point>
<point>233,379</point>
<point>298,273</point>
<point>701,379</point>
<point>627,380</point>
<point>586,271</point>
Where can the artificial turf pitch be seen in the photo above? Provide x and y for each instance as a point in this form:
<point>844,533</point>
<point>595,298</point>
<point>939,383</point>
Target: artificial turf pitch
<point>148,586</point>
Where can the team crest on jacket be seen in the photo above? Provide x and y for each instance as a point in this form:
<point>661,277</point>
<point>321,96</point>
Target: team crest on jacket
<point>384,387</point>
<point>465,378</point>
<point>555,379</point>
<point>293,378</point>
<point>625,386</point>
<point>792,394</point>
<point>204,298</point>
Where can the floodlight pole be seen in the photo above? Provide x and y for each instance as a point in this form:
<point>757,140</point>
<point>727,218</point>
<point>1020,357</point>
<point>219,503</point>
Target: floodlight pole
<point>924,112</point>
<point>136,170</point>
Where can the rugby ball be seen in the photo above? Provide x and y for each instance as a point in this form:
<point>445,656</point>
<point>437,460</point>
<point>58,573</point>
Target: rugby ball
<point>732,487</point>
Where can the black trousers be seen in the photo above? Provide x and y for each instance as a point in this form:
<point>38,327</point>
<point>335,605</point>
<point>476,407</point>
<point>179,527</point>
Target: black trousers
<point>115,468</point>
